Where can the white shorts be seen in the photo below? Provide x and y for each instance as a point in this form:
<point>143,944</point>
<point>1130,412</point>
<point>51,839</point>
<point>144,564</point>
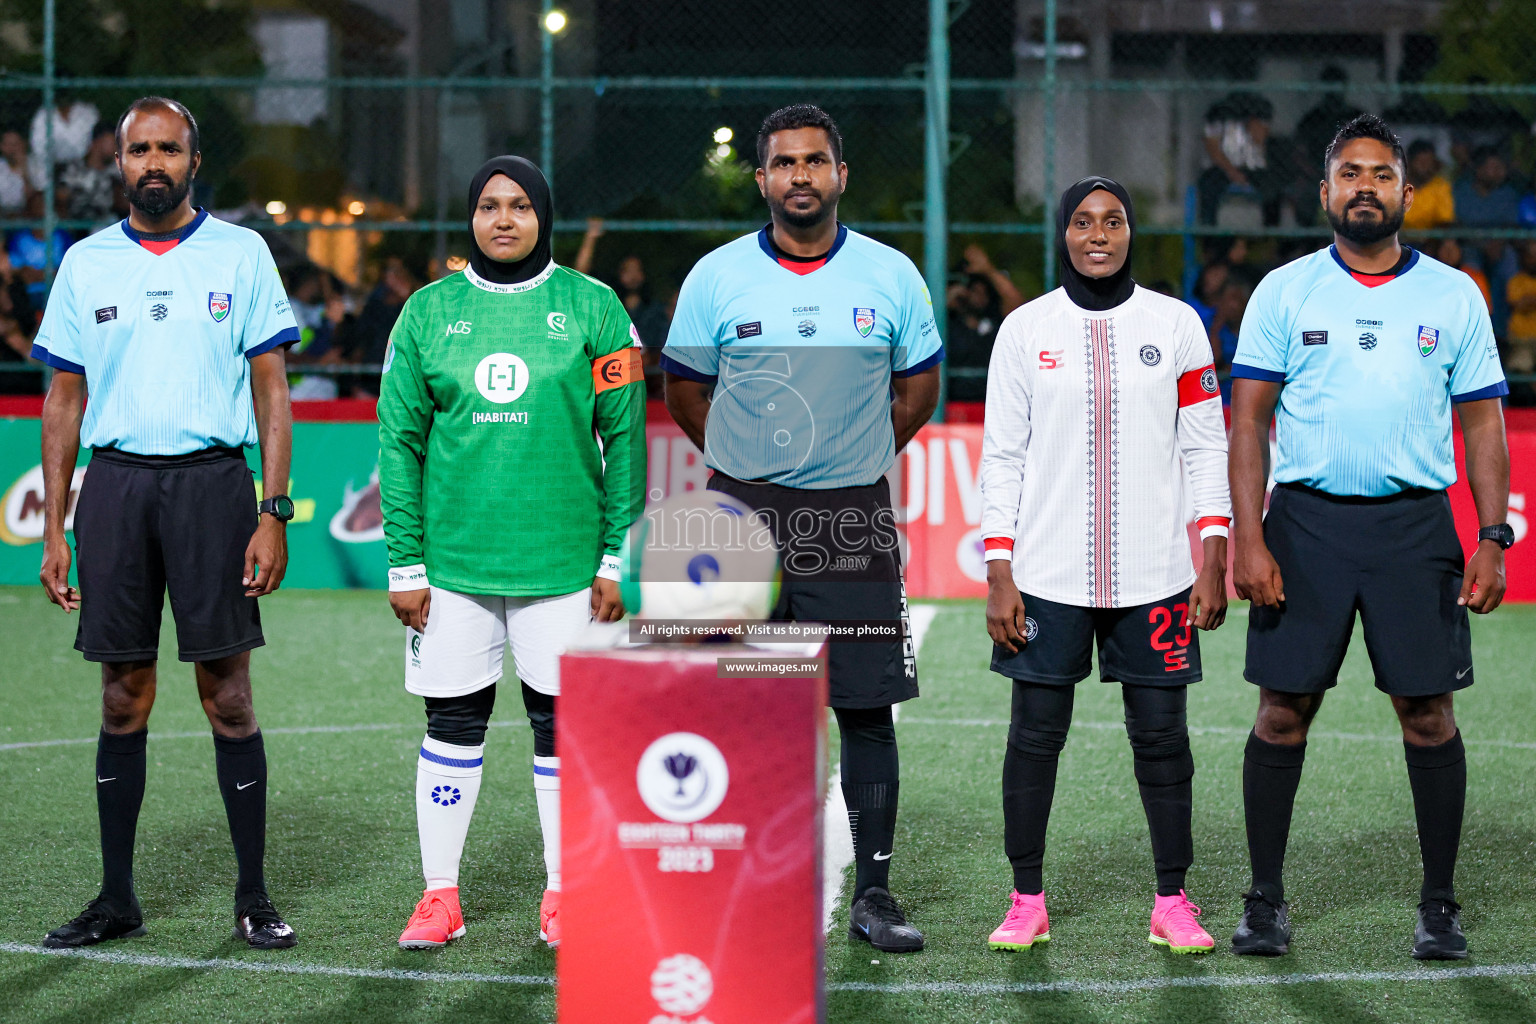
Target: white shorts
<point>462,648</point>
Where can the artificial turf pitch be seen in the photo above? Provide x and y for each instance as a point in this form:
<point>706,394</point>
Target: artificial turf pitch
<point>342,859</point>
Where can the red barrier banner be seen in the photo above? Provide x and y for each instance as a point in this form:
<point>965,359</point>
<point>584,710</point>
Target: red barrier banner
<point>937,495</point>
<point>691,837</point>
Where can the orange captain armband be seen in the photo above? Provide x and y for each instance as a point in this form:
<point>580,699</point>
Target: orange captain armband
<point>617,369</point>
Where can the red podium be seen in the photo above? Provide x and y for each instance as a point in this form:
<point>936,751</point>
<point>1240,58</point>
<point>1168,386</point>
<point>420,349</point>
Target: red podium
<point>691,839</point>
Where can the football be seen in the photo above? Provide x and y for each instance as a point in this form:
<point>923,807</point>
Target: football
<point>700,555</point>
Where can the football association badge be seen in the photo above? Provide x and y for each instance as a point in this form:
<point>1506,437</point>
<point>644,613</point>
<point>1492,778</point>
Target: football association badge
<point>218,306</point>
<point>863,320</point>
<point>1429,337</point>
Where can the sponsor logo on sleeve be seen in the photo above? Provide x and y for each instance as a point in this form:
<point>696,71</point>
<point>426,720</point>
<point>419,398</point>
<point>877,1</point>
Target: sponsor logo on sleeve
<point>106,313</point>
<point>1429,337</point>
<point>751,330</point>
<point>1314,337</point>
<point>616,370</point>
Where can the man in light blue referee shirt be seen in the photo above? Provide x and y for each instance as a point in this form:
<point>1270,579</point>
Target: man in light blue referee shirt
<point>800,360</point>
<point>175,323</point>
<point>1364,347</point>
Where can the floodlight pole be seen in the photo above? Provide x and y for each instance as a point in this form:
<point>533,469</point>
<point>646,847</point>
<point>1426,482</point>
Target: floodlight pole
<point>1048,149</point>
<point>935,176</point>
<point>50,99</point>
<point>546,94</point>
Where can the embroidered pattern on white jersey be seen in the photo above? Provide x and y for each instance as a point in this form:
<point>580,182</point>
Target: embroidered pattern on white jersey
<point>1103,493</point>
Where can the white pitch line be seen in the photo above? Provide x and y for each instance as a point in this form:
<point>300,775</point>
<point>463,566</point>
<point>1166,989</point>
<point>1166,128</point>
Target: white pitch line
<point>295,730</point>
<point>274,967</point>
<point>958,988</point>
<point>982,988</point>
<point>837,839</point>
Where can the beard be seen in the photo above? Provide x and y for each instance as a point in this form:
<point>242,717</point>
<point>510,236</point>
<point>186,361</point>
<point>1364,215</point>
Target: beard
<point>810,218</point>
<point>158,202</point>
<point>1366,232</point>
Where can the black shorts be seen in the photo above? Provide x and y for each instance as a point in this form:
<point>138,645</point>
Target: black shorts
<point>145,523</point>
<point>1152,644</point>
<point>841,561</point>
<point>1395,560</point>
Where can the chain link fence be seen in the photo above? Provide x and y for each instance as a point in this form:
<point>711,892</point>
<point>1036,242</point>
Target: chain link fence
<point>346,132</point>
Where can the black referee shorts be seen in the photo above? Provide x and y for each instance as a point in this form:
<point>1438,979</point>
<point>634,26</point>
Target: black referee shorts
<point>145,523</point>
<point>1395,560</point>
<point>1152,644</point>
<point>841,561</point>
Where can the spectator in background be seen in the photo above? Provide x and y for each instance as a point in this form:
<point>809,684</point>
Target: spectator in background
<point>1520,356</point>
<point>310,291</point>
<point>28,250</point>
<point>978,298</point>
<point>1213,276</point>
<point>368,336</point>
<point>1314,131</point>
<point>1433,204</point>
<point>13,173</point>
<point>18,323</point>
<point>1237,143</point>
<point>1450,253</point>
<point>94,182</point>
<point>649,317</point>
<point>1484,197</point>
<point>1226,319</point>
<point>74,121</point>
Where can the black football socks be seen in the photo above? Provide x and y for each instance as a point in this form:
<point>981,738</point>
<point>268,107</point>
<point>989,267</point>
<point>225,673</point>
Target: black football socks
<point>120,770</point>
<point>242,771</point>
<point>1438,777</point>
<point>1156,722</point>
<point>1037,732</point>
<point>871,770</point>
<point>1271,774</point>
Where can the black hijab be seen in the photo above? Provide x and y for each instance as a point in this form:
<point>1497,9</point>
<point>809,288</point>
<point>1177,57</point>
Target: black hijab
<point>527,174</point>
<point>1093,293</point>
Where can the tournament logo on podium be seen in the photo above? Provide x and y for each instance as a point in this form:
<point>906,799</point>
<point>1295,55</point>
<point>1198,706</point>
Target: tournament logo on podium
<point>682,777</point>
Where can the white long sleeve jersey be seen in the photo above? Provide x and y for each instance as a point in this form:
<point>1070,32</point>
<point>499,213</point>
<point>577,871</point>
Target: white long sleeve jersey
<point>1087,415</point>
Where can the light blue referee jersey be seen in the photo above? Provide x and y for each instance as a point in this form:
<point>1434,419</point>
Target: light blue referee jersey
<point>1369,372</point>
<point>164,341</point>
<point>802,362</point>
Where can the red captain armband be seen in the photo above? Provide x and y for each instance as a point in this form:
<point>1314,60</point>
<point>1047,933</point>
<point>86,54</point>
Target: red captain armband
<point>1198,386</point>
<point>998,547</point>
<point>616,370</point>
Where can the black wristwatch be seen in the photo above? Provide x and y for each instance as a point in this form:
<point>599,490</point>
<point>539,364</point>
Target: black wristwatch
<point>1502,534</point>
<point>280,507</point>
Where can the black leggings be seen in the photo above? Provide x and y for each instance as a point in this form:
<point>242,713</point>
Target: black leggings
<point>1155,722</point>
<point>462,721</point>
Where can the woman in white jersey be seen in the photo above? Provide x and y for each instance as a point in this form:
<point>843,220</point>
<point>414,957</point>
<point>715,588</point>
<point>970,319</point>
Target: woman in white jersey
<point>1094,393</point>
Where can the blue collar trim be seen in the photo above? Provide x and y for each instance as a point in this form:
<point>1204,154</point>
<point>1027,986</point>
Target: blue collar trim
<point>181,236</point>
<point>767,245</point>
<point>1402,268</point>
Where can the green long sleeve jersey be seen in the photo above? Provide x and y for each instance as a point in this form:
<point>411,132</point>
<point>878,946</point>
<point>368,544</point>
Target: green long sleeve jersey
<point>511,433</point>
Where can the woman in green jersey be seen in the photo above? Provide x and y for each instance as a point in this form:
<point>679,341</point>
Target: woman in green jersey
<point>511,462</point>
